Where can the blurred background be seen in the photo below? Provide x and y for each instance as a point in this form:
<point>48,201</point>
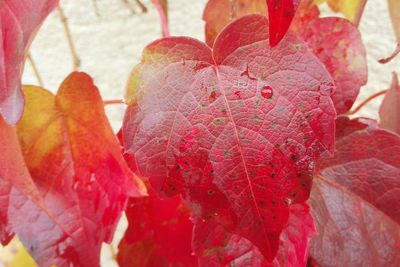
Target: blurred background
<point>109,36</point>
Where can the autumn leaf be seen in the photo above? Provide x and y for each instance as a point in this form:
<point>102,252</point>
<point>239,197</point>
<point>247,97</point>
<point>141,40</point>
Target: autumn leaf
<point>235,129</point>
<point>219,13</point>
<point>75,160</point>
<point>15,255</point>
<point>16,185</point>
<point>389,111</point>
<point>345,58</point>
<point>159,233</point>
<point>19,20</point>
<point>214,246</point>
<point>347,7</point>
<point>355,196</point>
<point>281,13</point>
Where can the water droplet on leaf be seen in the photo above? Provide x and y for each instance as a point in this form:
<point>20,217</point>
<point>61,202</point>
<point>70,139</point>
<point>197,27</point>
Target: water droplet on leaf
<point>267,92</point>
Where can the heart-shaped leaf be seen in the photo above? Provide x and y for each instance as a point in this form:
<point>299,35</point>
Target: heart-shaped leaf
<point>236,129</point>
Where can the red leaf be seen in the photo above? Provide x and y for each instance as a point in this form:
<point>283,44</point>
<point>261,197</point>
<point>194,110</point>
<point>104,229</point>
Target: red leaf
<point>389,111</point>
<point>355,198</point>
<point>76,162</point>
<point>344,58</point>
<point>281,13</point>
<point>19,21</point>
<point>216,247</point>
<point>159,233</point>
<point>236,129</point>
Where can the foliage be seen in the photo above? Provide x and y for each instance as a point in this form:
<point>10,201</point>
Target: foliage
<point>233,152</point>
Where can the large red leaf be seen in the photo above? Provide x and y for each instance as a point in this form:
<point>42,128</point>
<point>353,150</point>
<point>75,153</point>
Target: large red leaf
<point>345,57</point>
<point>236,129</point>
<point>19,21</point>
<point>74,159</point>
<point>281,13</point>
<point>159,233</point>
<point>389,111</point>
<point>214,246</point>
<point>355,199</point>
<point>219,13</point>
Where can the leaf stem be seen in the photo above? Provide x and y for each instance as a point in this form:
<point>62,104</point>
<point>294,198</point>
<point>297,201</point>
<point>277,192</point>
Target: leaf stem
<point>366,101</point>
<point>360,12</point>
<point>142,6</point>
<point>113,102</point>
<point>163,13</point>
<point>96,8</point>
<point>393,55</point>
<point>64,20</point>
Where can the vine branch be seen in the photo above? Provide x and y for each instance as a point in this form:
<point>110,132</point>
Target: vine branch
<point>360,12</point>
<point>75,59</point>
<point>113,102</point>
<point>35,69</point>
<point>366,101</point>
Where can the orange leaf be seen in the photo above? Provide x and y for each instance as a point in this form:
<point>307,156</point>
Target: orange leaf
<point>75,160</point>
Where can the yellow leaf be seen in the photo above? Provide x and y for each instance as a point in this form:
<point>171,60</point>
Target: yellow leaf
<point>15,255</point>
<point>346,7</point>
<point>394,11</point>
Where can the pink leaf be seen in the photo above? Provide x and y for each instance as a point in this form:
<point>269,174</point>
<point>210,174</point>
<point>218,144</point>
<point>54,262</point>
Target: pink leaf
<point>355,198</point>
<point>338,44</point>
<point>236,130</point>
<point>389,111</point>
<point>19,20</point>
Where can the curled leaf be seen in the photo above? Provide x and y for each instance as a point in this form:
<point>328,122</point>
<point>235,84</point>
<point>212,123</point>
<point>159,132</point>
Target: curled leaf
<point>389,111</point>
<point>281,13</point>
<point>19,20</point>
